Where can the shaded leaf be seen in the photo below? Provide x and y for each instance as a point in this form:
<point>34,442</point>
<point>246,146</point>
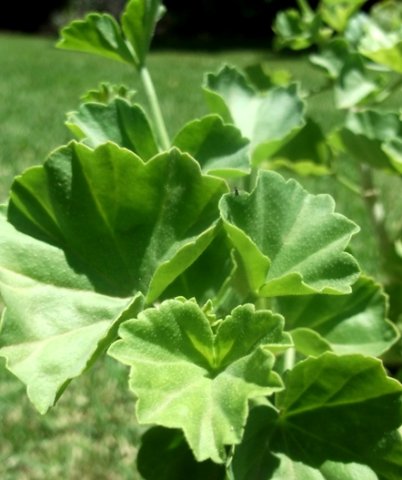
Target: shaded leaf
<point>127,225</point>
<point>268,120</point>
<point>355,323</point>
<point>201,380</point>
<point>254,460</point>
<point>138,23</point>
<point>290,242</point>
<point>99,34</point>
<point>336,408</point>
<point>218,147</point>
<point>55,324</point>
<point>119,122</point>
<point>165,455</point>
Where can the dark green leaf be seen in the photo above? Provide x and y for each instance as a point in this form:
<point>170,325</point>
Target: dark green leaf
<point>119,122</point>
<point>165,455</point>
<point>290,242</point>
<point>218,147</point>
<point>201,380</point>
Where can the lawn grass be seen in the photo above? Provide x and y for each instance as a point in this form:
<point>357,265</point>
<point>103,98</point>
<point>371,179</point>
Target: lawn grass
<point>92,433</point>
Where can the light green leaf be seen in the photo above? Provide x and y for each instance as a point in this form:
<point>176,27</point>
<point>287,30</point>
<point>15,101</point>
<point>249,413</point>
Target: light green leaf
<point>128,225</point>
<point>119,122</point>
<point>138,22</point>
<point>254,459</point>
<point>99,34</point>
<point>107,92</point>
<point>267,120</point>
<point>187,376</point>
<point>355,323</point>
<point>354,83</point>
<point>165,455</point>
<point>336,408</point>
<point>290,242</point>
<point>55,324</point>
<point>393,150</point>
<point>336,13</point>
<point>382,46</point>
<point>369,135</point>
<point>218,147</point>
<point>308,342</point>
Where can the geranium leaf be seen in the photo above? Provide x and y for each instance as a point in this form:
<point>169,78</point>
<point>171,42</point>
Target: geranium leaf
<point>253,459</point>
<point>268,120</point>
<point>55,324</point>
<point>336,13</point>
<point>99,34</point>
<point>336,408</point>
<point>308,342</point>
<point>138,23</point>
<point>128,225</point>
<point>107,92</point>
<point>355,323</point>
<point>165,455</point>
<point>367,134</point>
<point>201,380</point>
<point>119,122</point>
<point>218,147</point>
<point>290,242</point>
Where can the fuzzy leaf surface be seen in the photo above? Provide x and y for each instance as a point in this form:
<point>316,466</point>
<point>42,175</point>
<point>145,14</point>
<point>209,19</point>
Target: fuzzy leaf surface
<point>268,120</point>
<point>128,225</point>
<point>218,147</point>
<point>138,23</point>
<point>354,323</point>
<point>55,324</point>
<point>99,34</point>
<point>187,376</point>
<point>118,122</point>
<point>290,242</point>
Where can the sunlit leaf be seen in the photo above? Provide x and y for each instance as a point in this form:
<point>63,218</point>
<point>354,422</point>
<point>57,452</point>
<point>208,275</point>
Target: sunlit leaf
<point>99,34</point>
<point>187,376</point>
<point>267,120</point>
<point>218,147</point>
<point>355,323</point>
<point>138,23</point>
<point>55,324</point>
<point>336,13</point>
<point>290,242</point>
<point>119,122</point>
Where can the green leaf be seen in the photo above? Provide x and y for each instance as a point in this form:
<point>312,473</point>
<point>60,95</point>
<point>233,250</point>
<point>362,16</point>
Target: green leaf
<point>99,34</point>
<point>129,226</point>
<point>119,122</point>
<point>368,136</point>
<point>382,47</point>
<point>201,380</point>
<point>355,323</point>
<point>218,147</point>
<point>165,455</point>
<point>308,342</point>
<point>336,13</point>
<point>254,459</point>
<point>107,92</point>
<point>307,153</point>
<point>138,22</point>
<point>55,324</point>
<point>336,408</point>
<point>290,242</point>
<point>268,120</point>
<point>354,83</point>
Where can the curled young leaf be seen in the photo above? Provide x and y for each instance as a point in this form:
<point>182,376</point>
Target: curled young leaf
<point>188,376</point>
<point>291,242</point>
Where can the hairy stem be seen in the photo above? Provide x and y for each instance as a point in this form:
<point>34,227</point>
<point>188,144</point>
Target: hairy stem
<point>156,113</point>
<point>290,359</point>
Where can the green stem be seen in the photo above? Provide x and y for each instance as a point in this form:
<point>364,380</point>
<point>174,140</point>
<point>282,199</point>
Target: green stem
<point>156,113</point>
<point>290,359</point>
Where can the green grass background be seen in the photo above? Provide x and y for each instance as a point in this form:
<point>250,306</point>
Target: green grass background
<point>92,433</point>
